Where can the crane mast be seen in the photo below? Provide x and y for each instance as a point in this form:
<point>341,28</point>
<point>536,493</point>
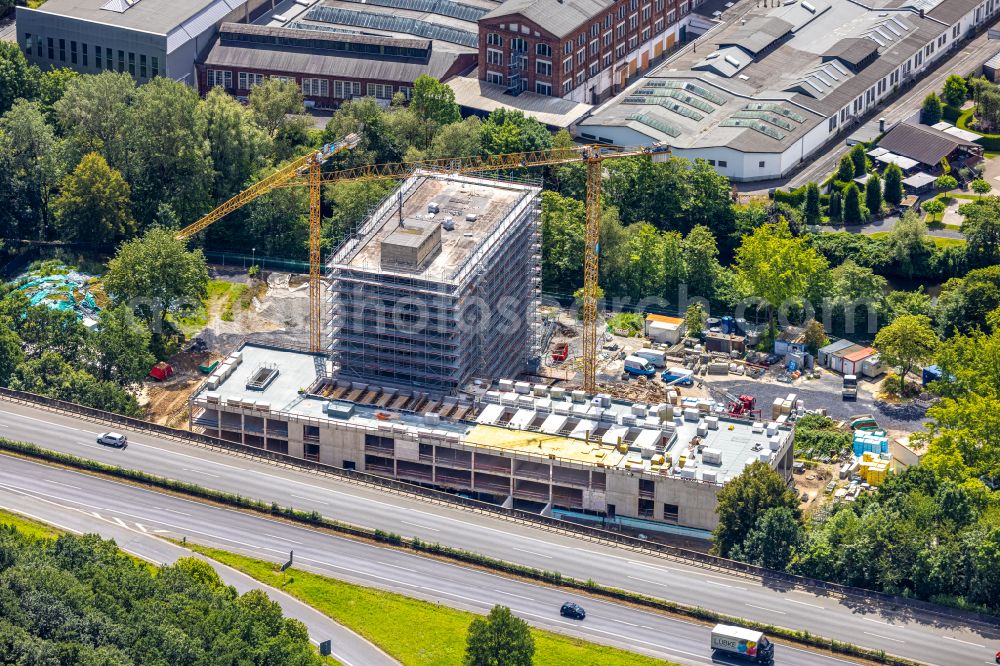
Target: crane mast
<point>307,171</point>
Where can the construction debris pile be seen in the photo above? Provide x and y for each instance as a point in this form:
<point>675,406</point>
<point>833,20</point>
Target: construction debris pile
<point>70,290</point>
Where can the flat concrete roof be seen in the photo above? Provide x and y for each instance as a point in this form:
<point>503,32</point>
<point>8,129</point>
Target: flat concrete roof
<point>534,425</point>
<point>154,16</point>
<point>456,197</point>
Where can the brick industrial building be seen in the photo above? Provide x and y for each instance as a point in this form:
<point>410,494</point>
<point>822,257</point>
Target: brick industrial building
<point>583,50</point>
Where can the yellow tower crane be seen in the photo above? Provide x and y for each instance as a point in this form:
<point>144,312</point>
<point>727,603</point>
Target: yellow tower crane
<point>592,156</point>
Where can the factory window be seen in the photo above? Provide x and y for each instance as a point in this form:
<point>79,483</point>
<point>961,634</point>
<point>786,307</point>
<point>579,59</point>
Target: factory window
<point>684,7</point>
<point>633,42</point>
<point>219,77</point>
<point>316,87</point>
<point>84,54</point>
<point>645,34</point>
<point>621,12</point>
<point>346,89</point>
<point>832,124</point>
<point>518,45</point>
<point>494,57</point>
<point>581,56</point>
<point>594,68</point>
<point>579,77</point>
<point>620,51</point>
<point>98,62</point>
<point>671,16</point>
<point>595,47</point>
<point>72,52</point>
<point>594,29</point>
<point>671,513</point>
<point>38,47</point>
<point>311,452</point>
<point>407,92</point>
<point>646,12</point>
<point>543,68</point>
<point>494,77</point>
<point>543,50</point>
<point>27,43</point>
<point>543,88</point>
<point>760,164</point>
<point>659,6</point>
<point>645,508</point>
<point>142,66</point>
<point>608,20</point>
<point>493,39</point>
<point>380,91</point>
<point>955,30</point>
<point>606,61</point>
<point>121,61</point>
<point>607,38</point>
<point>658,26</point>
<point>581,38</point>
<point>567,65</point>
<point>131,64</point>
<point>155,67</point>
<point>711,162</point>
<point>633,21</point>
<point>568,47</point>
<point>633,5</point>
<point>348,465</point>
<point>723,164</point>
<point>567,86</point>
<point>62,50</point>
<point>384,445</point>
<point>620,31</point>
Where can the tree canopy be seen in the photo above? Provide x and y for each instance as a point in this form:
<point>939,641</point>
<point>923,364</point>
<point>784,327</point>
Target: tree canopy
<point>743,504</point>
<point>499,639</point>
<point>79,600</point>
<point>907,341</point>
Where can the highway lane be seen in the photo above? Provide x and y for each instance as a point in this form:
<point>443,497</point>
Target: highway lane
<point>919,636</point>
<point>133,515</point>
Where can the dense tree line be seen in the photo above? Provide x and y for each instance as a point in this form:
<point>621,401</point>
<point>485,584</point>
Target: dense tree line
<point>79,600</point>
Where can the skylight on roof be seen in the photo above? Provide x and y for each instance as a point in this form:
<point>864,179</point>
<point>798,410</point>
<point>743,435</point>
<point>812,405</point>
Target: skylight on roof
<point>875,38</point>
<point>119,6</point>
<point>839,67</point>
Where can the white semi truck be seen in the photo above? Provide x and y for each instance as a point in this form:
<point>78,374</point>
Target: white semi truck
<point>741,642</point>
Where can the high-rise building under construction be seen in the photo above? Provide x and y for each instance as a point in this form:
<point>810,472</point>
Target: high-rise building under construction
<point>440,285</point>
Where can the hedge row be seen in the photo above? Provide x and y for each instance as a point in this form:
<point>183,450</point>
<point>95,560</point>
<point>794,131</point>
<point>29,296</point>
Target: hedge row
<point>314,518</point>
<point>990,142</point>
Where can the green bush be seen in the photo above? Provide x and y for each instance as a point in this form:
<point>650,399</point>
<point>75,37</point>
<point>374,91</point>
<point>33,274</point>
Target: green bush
<point>794,197</point>
<point>990,142</point>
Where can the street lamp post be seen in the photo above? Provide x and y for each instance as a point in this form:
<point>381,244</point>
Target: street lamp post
<point>253,257</point>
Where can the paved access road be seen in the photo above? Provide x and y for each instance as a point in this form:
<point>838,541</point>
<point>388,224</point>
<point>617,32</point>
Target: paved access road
<point>133,515</point>
<point>922,636</point>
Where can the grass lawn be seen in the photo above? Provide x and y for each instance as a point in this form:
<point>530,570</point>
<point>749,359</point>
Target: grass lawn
<point>416,632</point>
<point>218,291</point>
<point>28,526</point>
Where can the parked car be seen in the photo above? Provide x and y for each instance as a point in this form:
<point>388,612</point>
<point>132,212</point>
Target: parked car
<point>575,611</point>
<point>114,439</point>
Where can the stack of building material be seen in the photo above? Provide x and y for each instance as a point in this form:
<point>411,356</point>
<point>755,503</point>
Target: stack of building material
<point>868,441</point>
<point>874,468</point>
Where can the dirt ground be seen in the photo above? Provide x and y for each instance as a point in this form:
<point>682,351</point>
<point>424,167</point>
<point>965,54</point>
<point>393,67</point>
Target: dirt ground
<point>274,310</point>
<point>813,482</point>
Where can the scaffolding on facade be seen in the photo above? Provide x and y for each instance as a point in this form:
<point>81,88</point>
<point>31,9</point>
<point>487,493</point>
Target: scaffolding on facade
<point>438,331</point>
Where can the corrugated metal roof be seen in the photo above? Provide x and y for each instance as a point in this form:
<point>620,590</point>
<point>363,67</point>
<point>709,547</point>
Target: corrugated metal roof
<point>922,143</point>
<point>859,355</point>
<point>663,319</point>
<point>299,35</point>
<point>333,65</point>
<point>757,34</point>
<point>196,25</point>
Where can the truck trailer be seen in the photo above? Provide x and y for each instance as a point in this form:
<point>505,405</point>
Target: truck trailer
<point>740,642</point>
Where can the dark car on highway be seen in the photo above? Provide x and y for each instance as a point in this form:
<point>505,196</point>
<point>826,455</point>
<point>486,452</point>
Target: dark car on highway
<point>575,611</point>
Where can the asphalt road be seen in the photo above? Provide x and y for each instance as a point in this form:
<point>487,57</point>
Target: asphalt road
<point>923,636</point>
<point>132,515</point>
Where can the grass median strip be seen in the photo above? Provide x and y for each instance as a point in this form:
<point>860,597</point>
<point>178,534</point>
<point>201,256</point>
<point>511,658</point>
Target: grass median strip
<point>416,632</point>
